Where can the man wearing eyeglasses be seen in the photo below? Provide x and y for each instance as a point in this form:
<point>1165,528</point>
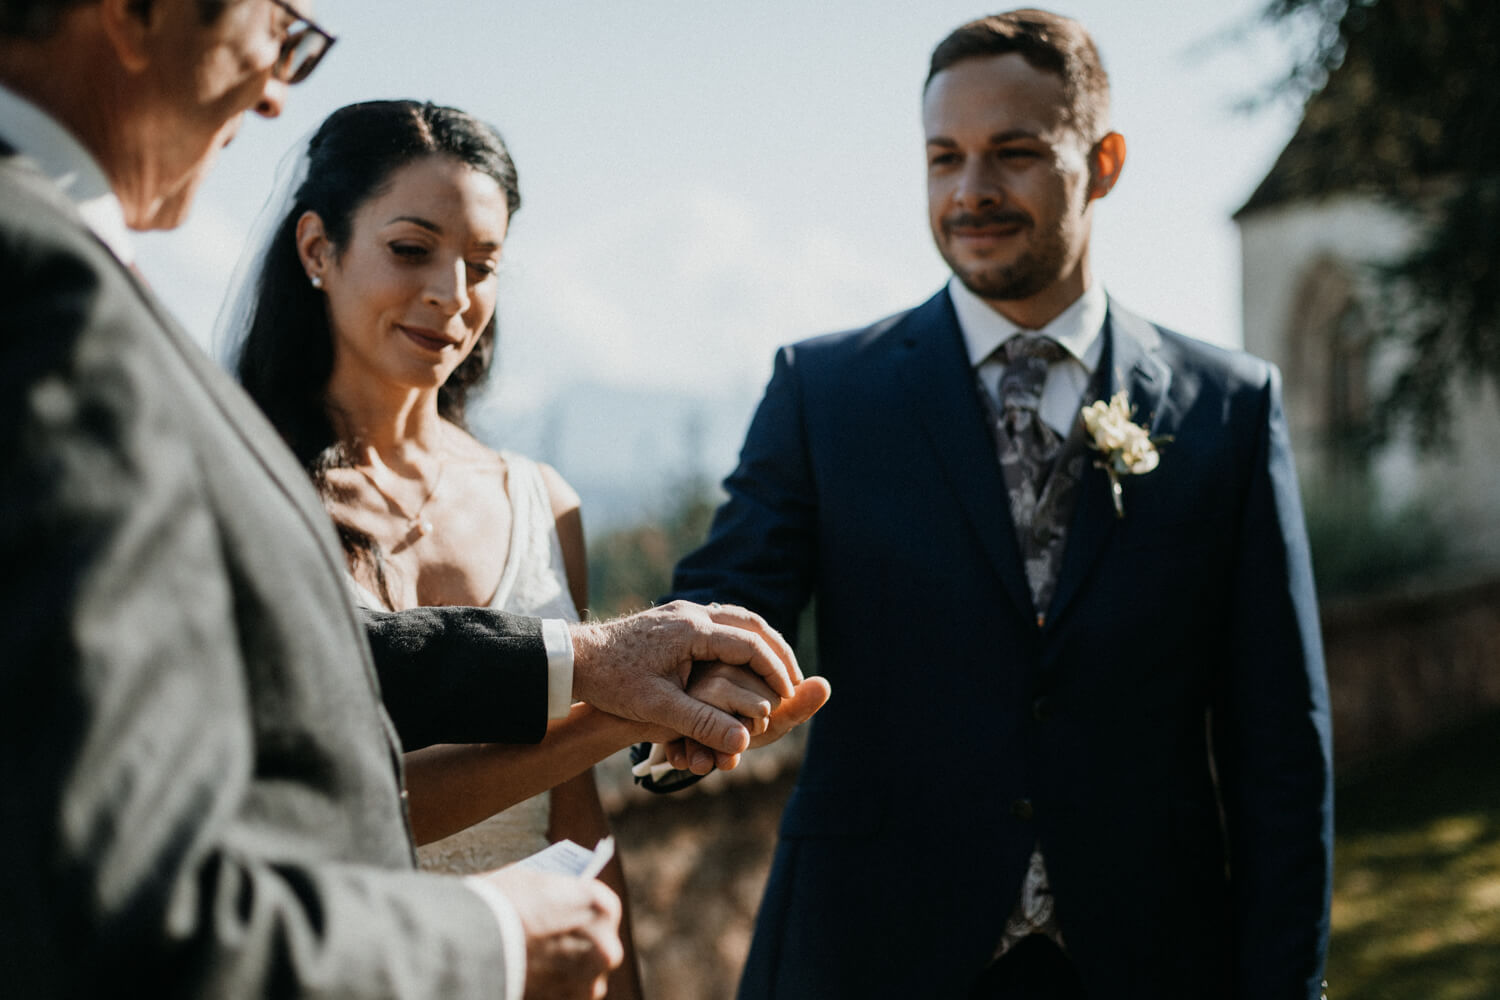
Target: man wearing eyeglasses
<point>203,792</point>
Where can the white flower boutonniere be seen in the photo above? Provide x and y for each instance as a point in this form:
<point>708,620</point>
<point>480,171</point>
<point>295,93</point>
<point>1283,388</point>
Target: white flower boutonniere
<point>1127,448</point>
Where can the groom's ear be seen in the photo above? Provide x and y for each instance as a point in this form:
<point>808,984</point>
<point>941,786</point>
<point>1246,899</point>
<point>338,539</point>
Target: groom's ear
<point>313,246</point>
<point>1106,160</point>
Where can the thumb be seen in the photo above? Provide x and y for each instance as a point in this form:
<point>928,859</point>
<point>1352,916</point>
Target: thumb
<point>809,696</point>
<point>702,722</point>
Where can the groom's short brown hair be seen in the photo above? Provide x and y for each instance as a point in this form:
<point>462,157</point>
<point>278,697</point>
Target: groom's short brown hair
<point>1048,42</point>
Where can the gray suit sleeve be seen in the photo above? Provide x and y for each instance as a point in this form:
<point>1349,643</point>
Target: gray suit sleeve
<point>147,849</point>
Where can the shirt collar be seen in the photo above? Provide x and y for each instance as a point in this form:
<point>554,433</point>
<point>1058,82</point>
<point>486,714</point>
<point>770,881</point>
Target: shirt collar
<point>1078,328</point>
<point>64,160</point>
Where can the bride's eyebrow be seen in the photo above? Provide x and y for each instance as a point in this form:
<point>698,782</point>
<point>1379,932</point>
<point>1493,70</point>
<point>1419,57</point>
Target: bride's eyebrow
<point>417,221</point>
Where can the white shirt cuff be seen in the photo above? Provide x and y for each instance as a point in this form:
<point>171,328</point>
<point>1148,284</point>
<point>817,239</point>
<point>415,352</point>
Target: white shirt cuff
<point>512,936</point>
<point>559,645</point>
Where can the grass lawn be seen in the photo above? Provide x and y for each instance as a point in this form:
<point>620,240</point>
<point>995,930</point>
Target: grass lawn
<point>1416,907</point>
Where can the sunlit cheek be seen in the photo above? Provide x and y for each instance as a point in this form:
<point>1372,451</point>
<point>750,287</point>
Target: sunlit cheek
<point>478,317</point>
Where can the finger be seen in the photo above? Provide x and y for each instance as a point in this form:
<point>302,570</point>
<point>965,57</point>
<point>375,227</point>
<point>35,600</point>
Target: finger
<point>677,754</point>
<point>605,931</point>
<point>743,647</point>
<point>733,614</point>
<point>712,727</point>
<point>811,695</point>
<point>733,674</point>
<point>747,698</point>
<point>700,759</point>
<point>726,761</point>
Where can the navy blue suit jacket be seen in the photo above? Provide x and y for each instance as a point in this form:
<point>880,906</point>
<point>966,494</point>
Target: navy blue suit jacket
<point>1165,735</point>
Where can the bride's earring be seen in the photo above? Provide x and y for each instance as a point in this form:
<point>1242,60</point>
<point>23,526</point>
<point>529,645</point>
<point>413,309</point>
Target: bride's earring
<point>316,280</point>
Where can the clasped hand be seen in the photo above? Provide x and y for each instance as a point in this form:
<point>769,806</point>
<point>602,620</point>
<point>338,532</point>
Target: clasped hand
<point>710,681</point>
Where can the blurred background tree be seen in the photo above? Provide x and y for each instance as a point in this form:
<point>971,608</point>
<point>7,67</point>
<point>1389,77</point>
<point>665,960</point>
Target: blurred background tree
<point>631,567</point>
<point>1408,110</point>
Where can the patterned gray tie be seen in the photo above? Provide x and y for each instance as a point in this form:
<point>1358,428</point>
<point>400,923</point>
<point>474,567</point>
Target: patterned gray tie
<point>1029,447</point>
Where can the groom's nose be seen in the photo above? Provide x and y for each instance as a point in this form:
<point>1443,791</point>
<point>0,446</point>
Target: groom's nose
<point>977,186</point>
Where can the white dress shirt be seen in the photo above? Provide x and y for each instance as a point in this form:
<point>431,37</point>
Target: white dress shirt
<point>1078,328</point>
<point>60,156</point>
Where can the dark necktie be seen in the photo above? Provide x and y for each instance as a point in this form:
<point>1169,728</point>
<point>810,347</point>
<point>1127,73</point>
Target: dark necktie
<point>1033,445</point>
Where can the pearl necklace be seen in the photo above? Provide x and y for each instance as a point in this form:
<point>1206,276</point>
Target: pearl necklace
<point>414,522</point>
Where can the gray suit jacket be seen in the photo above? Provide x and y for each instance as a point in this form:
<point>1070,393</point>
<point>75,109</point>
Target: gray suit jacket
<point>203,793</point>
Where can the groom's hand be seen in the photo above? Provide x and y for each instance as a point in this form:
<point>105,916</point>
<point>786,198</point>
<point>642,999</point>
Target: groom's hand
<point>639,667</point>
<point>714,682</point>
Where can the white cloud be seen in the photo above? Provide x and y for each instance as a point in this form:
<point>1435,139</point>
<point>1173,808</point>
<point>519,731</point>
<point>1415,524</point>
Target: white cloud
<point>692,291</point>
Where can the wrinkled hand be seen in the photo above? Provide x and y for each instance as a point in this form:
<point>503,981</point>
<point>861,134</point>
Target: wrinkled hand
<point>715,681</point>
<point>639,667</point>
<point>572,932</point>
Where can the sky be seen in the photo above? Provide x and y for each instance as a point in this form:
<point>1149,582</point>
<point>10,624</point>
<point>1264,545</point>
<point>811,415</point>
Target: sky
<point>704,181</point>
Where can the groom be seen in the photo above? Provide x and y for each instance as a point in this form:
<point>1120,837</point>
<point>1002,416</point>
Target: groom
<point>1115,780</point>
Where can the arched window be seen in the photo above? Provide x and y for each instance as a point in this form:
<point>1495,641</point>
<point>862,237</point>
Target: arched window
<point>1328,373</point>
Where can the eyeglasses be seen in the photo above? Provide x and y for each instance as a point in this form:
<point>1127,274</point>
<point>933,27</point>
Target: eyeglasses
<point>305,45</point>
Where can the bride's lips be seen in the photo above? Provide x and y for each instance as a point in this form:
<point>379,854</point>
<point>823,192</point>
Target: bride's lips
<point>429,340</point>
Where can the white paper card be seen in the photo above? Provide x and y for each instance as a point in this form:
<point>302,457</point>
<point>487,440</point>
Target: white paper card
<point>567,858</point>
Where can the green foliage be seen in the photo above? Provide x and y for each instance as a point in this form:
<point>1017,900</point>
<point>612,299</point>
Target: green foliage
<point>1357,547</point>
<point>631,568</point>
<point>1410,112</point>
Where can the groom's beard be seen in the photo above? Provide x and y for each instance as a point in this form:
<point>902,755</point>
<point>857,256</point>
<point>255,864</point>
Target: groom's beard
<point>1037,265</point>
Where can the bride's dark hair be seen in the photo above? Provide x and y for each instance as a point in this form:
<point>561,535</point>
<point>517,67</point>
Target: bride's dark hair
<point>285,356</point>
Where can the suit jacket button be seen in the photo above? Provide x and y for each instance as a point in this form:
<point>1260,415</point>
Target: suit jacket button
<point>1041,708</point>
<point>1021,809</point>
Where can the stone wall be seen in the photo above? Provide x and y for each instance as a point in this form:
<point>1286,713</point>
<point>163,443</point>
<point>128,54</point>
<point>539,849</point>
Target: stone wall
<point>1405,664</point>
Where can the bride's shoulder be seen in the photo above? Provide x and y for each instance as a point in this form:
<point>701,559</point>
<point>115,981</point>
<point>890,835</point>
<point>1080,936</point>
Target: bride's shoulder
<point>560,495</point>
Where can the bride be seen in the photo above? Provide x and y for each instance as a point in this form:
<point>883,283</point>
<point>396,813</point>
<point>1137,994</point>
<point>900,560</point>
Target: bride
<point>369,322</point>
<point>372,321</point>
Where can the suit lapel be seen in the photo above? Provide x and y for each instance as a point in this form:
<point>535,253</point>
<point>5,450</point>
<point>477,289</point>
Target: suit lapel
<point>933,362</point>
<point>1133,364</point>
<point>241,415</point>
<point>244,418</point>
<point>262,441</point>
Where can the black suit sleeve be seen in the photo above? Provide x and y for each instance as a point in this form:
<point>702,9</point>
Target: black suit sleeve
<point>760,548</point>
<point>460,675</point>
<point>1272,734</point>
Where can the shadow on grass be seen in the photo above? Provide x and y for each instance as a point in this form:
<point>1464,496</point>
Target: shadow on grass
<point>1417,875</point>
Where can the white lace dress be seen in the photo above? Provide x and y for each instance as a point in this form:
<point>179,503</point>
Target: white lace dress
<point>534,583</point>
